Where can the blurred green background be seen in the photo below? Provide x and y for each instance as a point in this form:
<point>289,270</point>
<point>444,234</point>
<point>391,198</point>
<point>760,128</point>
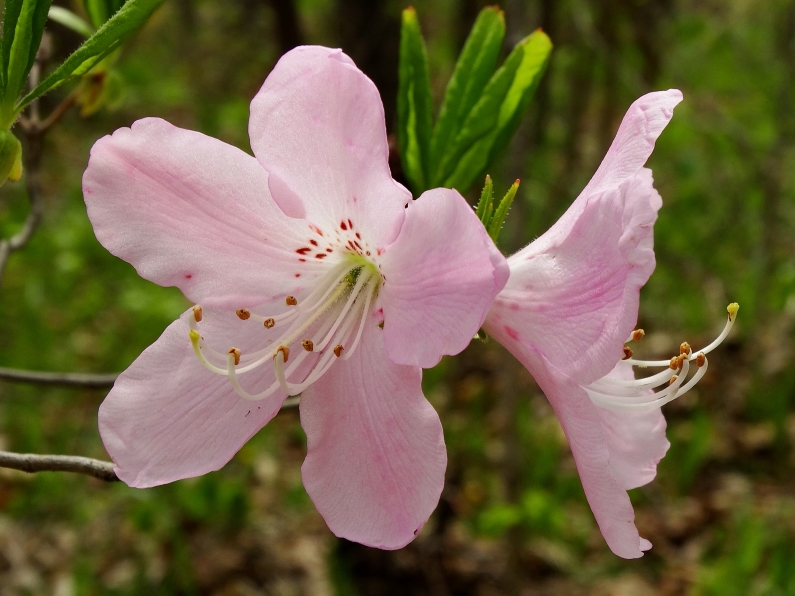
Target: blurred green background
<point>513,518</point>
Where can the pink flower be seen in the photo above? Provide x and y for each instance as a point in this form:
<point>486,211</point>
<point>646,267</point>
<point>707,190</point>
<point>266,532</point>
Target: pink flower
<point>316,274</point>
<point>569,306</point>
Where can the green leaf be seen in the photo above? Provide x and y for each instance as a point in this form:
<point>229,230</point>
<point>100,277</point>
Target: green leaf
<point>97,11</point>
<point>414,105</point>
<point>474,68</point>
<point>110,36</point>
<point>22,32</point>
<point>494,227</point>
<point>496,116</point>
<point>486,199</point>
<point>70,20</point>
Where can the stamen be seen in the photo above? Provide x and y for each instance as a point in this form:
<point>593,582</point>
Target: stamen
<point>197,313</point>
<point>338,350</point>
<point>291,301</point>
<point>307,345</point>
<point>243,313</point>
<point>236,353</point>
<point>284,351</point>
<point>639,394</point>
<point>269,323</point>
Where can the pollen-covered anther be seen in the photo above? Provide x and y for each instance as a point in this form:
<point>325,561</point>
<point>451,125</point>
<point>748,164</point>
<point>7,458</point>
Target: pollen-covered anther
<point>236,353</point>
<point>627,353</point>
<point>674,363</point>
<point>638,334</point>
<point>291,301</point>
<point>680,361</point>
<point>243,313</point>
<point>269,323</point>
<point>308,345</point>
<point>197,313</point>
<point>285,352</point>
<point>701,359</point>
<point>338,350</point>
<point>673,379</point>
<point>684,348</point>
<point>732,310</point>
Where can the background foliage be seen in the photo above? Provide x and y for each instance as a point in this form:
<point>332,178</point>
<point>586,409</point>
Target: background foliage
<point>513,518</point>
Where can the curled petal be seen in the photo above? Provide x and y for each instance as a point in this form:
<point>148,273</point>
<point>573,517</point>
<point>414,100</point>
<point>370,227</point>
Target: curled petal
<point>441,276</point>
<point>375,458</point>
<point>190,211</point>
<point>317,126</point>
<point>576,299</point>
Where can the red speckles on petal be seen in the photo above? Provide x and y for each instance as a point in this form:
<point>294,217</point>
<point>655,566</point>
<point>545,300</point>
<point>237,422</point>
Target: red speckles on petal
<point>350,224</point>
<point>188,275</point>
<point>513,333</point>
<point>298,275</point>
<point>316,229</point>
<point>321,255</point>
<point>358,236</point>
<point>329,250</point>
<point>343,225</point>
<point>302,260</point>
<point>303,251</point>
<point>313,242</point>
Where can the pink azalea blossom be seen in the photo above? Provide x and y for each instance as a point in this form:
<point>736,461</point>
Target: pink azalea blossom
<point>316,273</point>
<point>570,305</point>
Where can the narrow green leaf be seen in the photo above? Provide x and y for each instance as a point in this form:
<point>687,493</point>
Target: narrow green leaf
<point>494,227</point>
<point>97,11</point>
<point>69,19</point>
<point>474,68</point>
<point>414,105</point>
<point>10,17</point>
<point>495,118</point>
<point>27,33</point>
<point>110,36</point>
<point>486,198</point>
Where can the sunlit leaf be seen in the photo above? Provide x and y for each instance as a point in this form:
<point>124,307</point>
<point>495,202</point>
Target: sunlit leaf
<point>23,27</point>
<point>70,20</point>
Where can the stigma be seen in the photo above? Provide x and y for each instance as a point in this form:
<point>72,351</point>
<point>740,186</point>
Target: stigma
<point>652,392</point>
<point>325,327</point>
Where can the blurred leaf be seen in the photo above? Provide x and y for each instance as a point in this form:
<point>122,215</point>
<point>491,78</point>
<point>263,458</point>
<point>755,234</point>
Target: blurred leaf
<point>473,70</point>
<point>110,36</point>
<point>70,20</point>
<point>494,119</point>
<point>23,27</point>
<point>10,152</point>
<point>100,11</point>
<point>414,104</point>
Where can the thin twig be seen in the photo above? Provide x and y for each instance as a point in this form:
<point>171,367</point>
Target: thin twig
<point>29,462</point>
<point>97,468</point>
<point>58,112</point>
<point>55,378</point>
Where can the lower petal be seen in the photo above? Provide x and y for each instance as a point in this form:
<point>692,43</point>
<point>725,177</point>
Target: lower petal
<point>375,450</point>
<point>168,418</point>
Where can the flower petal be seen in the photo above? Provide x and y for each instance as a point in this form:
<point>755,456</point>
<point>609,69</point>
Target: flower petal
<point>441,275</point>
<point>167,417</point>
<point>576,299</point>
<point>636,440</point>
<point>317,126</point>
<point>582,423</point>
<point>190,211</point>
<point>375,450</point>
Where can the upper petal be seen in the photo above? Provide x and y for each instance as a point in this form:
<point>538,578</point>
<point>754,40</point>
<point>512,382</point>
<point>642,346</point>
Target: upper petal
<point>636,440</point>
<point>167,417</point>
<point>191,211</point>
<point>582,423</point>
<point>634,142</point>
<point>440,277</point>
<point>375,458</point>
<point>576,299</point>
<point>317,126</point>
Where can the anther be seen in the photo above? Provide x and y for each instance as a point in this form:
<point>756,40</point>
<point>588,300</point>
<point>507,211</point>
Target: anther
<point>308,345</point>
<point>680,360</point>
<point>674,363</point>
<point>197,313</point>
<point>701,359</point>
<point>638,334</point>
<point>684,348</point>
<point>290,301</point>
<point>338,350</point>
<point>732,310</point>
<point>269,323</point>
<point>285,353</point>
<point>243,313</point>
<point>627,353</point>
<point>236,353</point>
<point>673,379</point>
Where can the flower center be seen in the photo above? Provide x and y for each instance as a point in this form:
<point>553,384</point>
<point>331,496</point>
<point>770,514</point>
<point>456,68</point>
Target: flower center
<point>326,325</point>
<point>639,394</point>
